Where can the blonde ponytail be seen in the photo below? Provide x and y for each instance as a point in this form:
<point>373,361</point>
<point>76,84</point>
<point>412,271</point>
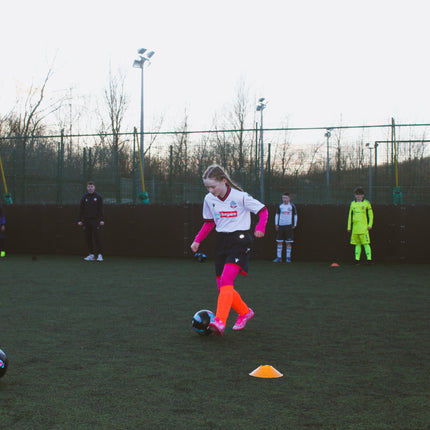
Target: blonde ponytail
<point>217,173</point>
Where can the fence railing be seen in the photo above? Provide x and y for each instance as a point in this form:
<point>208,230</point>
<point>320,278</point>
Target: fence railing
<point>316,165</point>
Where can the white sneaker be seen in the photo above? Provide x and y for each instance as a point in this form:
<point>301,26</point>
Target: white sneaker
<point>90,258</point>
<point>100,257</point>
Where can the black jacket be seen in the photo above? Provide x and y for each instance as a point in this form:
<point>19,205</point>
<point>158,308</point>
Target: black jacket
<point>91,207</point>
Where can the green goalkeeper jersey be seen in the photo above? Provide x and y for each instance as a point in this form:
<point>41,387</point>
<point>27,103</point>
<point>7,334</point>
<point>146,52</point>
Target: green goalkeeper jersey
<point>360,217</point>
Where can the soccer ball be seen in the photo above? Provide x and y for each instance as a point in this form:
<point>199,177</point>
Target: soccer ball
<point>200,257</point>
<point>3,363</point>
<point>201,320</point>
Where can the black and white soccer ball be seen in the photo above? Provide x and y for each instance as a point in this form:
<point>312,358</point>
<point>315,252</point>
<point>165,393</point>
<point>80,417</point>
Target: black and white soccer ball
<point>3,363</point>
<point>201,320</point>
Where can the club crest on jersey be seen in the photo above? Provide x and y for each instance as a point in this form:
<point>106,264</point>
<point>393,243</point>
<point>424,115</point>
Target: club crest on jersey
<point>233,204</point>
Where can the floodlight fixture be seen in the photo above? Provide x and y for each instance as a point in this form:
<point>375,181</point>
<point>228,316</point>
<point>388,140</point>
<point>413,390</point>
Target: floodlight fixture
<point>138,64</point>
<point>144,56</point>
<point>261,105</point>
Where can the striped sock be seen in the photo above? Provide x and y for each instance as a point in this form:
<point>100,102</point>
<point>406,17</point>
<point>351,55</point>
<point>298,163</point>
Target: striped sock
<point>279,250</point>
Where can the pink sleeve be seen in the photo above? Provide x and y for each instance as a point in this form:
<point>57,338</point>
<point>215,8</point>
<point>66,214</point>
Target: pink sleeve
<point>204,231</point>
<point>263,215</point>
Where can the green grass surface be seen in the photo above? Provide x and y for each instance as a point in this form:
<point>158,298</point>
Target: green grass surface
<point>110,346</point>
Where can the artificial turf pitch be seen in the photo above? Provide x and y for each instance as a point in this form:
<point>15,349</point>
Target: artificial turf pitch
<point>110,346</point>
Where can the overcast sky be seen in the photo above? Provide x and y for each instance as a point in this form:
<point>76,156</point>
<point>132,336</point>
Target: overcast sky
<point>317,63</point>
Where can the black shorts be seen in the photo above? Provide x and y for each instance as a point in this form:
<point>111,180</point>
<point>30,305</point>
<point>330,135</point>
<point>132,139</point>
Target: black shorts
<point>285,232</point>
<point>233,248</point>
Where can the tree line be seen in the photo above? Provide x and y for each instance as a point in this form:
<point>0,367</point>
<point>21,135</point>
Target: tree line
<point>33,150</point>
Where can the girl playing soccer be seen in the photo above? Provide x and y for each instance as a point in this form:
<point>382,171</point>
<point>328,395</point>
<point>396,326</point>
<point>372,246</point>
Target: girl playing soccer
<point>228,208</point>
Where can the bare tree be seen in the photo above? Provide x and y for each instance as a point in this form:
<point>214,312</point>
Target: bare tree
<point>180,149</point>
<point>233,149</point>
<point>238,119</point>
<point>30,122</point>
<point>116,104</point>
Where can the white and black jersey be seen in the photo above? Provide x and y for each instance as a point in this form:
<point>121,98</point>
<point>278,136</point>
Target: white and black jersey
<point>286,214</point>
<point>232,212</point>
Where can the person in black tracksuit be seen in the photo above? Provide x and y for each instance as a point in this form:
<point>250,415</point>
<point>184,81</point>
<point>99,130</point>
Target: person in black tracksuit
<point>91,218</point>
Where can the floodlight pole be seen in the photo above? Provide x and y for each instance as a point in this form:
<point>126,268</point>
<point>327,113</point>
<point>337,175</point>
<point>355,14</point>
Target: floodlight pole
<point>144,56</point>
<point>142,152</point>
<point>370,171</point>
<point>260,107</point>
<point>370,166</point>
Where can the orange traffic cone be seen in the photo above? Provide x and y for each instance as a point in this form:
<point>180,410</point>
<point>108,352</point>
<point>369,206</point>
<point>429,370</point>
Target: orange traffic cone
<point>266,372</point>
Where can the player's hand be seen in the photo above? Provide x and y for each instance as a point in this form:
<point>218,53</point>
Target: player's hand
<point>276,227</point>
<point>195,246</point>
<point>258,233</point>
<point>369,228</point>
<point>102,223</point>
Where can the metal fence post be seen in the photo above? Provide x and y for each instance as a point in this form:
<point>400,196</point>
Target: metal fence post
<point>60,169</point>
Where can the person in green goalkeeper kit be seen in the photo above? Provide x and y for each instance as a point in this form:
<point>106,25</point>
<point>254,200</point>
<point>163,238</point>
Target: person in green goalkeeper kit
<point>360,222</point>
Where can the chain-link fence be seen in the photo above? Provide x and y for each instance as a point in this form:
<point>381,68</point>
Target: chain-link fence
<point>320,165</point>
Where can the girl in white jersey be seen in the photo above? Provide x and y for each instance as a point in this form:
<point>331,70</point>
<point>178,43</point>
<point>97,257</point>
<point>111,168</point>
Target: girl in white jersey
<point>228,208</point>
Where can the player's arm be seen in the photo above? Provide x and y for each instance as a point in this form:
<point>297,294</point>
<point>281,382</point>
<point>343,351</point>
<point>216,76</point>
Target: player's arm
<point>81,211</point>
<point>257,208</point>
<point>207,227</point>
<point>260,228</point>
<point>277,215</point>
<point>294,216</point>
<point>370,216</point>
<point>100,209</point>
<point>349,218</point>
